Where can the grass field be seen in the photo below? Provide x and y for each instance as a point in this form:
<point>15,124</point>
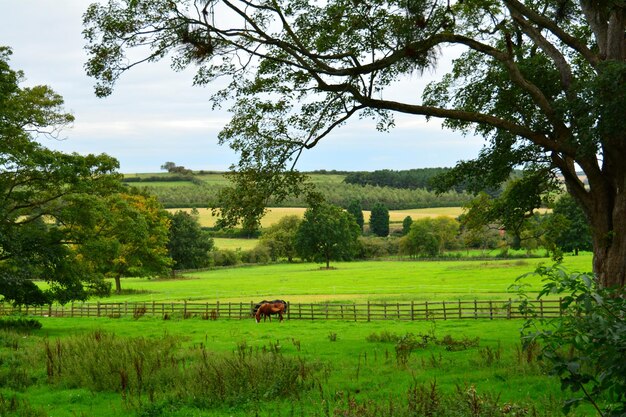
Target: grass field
<point>349,281</point>
<point>105,367</point>
<point>353,369</point>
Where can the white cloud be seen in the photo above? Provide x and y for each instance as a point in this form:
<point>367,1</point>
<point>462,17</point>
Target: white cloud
<point>156,115</point>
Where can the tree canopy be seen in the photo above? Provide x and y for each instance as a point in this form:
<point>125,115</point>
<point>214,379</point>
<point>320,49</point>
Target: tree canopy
<point>44,197</point>
<point>188,244</point>
<point>544,82</point>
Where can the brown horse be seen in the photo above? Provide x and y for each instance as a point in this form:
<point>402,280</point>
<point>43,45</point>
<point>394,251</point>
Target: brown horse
<point>267,309</point>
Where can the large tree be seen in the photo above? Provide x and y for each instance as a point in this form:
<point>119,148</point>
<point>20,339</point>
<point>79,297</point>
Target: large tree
<point>544,81</point>
<point>327,233</point>
<point>44,197</point>
<point>130,236</point>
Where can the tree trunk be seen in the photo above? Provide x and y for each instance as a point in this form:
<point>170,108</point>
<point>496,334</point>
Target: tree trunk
<point>609,245</point>
<point>605,207</point>
<point>118,284</point>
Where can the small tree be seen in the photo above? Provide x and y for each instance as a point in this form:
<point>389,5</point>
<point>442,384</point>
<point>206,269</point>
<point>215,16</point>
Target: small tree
<point>188,244</point>
<point>575,234</point>
<point>406,225</point>
<point>429,237</point>
<point>280,238</point>
<point>379,220</point>
<point>327,233</point>
<point>586,345</point>
<point>356,210</point>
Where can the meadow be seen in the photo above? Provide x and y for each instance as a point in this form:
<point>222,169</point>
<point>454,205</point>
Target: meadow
<point>349,281</point>
<point>149,366</point>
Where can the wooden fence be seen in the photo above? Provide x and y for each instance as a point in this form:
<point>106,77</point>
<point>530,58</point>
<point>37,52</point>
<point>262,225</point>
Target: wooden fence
<point>370,311</point>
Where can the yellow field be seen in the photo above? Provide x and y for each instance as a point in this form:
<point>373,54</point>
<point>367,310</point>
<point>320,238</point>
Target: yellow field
<point>275,214</point>
<point>234,244</point>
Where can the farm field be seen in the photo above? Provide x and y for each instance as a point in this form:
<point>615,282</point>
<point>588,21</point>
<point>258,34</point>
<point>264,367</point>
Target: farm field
<point>206,218</point>
<point>234,243</point>
<point>348,281</point>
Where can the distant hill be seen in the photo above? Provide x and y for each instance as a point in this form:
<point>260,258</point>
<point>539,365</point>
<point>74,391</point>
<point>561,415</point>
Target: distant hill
<point>201,188</point>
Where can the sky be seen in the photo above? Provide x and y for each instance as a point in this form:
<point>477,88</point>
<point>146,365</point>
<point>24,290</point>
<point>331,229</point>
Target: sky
<point>156,115</point>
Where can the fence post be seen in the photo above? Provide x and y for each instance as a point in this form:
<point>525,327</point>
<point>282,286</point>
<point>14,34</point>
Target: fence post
<point>445,316</point>
<point>98,309</point>
<point>426,309</point>
<point>560,307</point>
<point>412,310</point>
<point>508,309</point>
<point>541,307</point>
<point>368,310</point>
<point>288,310</point>
<point>475,309</point>
<point>312,314</point>
<point>490,310</point>
<point>354,310</point>
<point>460,310</point>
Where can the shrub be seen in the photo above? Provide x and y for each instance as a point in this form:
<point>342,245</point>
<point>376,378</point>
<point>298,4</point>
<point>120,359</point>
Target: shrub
<point>586,346</point>
<point>19,323</point>
<point>258,255</point>
<point>224,257</point>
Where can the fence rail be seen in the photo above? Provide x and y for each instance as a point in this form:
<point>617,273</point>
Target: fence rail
<point>370,311</point>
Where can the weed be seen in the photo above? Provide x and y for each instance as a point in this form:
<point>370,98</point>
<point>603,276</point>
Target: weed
<point>491,355</point>
<point>332,336</point>
<point>455,345</point>
<point>139,312</point>
<point>18,407</point>
<point>408,343</point>
<point>383,337</point>
<point>296,343</point>
<point>529,353</point>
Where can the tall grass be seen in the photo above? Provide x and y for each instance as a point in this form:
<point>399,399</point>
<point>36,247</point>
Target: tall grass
<point>239,368</point>
<point>159,370</point>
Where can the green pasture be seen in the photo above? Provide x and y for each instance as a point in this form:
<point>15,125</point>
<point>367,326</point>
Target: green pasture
<point>378,368</point>
<point>348,281</point>
<point>349,364</point>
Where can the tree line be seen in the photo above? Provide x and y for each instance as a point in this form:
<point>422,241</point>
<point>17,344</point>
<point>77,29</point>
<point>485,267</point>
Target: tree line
<point>409,179</point>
